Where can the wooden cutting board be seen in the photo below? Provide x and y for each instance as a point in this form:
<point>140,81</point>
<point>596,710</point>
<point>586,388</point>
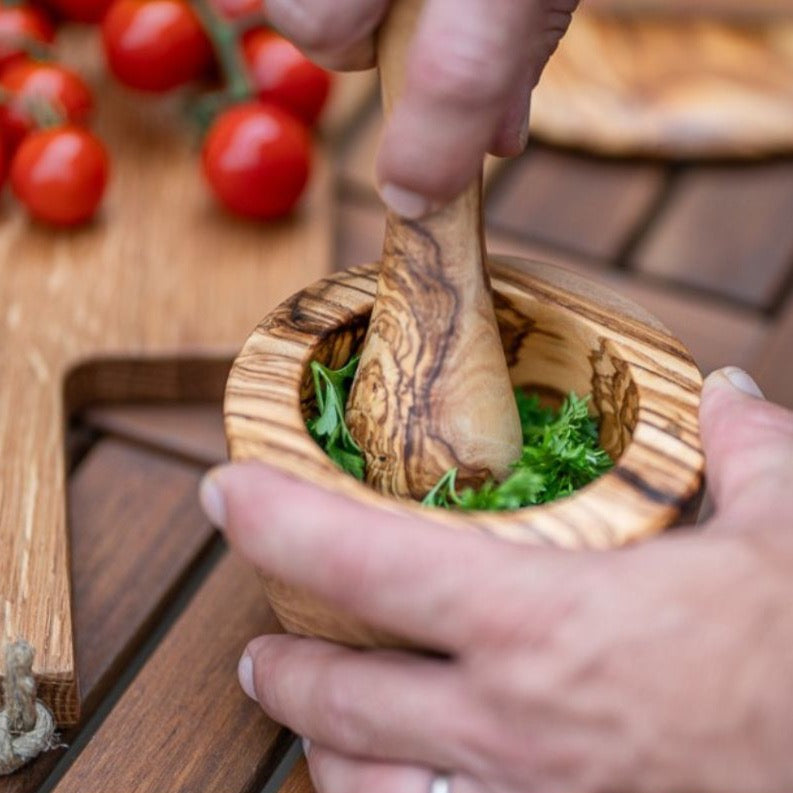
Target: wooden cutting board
<point>672,87</point>
<point>149,302</point>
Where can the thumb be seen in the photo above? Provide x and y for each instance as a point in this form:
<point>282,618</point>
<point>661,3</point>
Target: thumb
<point>748,444</point>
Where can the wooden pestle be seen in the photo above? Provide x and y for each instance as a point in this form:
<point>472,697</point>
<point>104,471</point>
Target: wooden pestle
<point>432,390</point>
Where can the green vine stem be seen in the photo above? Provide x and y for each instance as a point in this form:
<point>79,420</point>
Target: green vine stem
<point>224,37</point>
<point>44,113</point>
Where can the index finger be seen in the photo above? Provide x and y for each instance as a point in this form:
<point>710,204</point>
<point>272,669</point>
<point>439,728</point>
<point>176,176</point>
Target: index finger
<point>463,67</point>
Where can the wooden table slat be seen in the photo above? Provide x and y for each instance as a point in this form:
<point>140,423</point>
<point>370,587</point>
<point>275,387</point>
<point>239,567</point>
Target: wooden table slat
<point>716,334</point>
<point>578,203</point>
<point>774,366</point>
<point>184,725</point>
<point>726,229</point>
<point>193,431</point>
<point>298,780</point>
<point>136,527</point>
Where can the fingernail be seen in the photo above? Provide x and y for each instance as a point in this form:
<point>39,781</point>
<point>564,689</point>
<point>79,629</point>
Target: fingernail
<point>212,501</point>
<point>245,675</point>
<point>406,203</point>
<point>742,381</point>
<point>734,377</point>
<point>306,746</point>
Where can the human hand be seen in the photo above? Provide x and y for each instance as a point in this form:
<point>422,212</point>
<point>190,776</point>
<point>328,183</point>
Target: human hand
<point>660,668</point>
<point>471,69</point>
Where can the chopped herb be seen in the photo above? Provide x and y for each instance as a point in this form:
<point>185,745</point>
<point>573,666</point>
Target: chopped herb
<point>328,428</point>
<point>561,450</point>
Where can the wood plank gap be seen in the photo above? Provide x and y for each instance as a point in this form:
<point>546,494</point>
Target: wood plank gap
<point>555,249</point>
<point>783,296</point>
<point>80,439</point>
<point>215,551</point>
<point>168,452</point>
<point>157,622</point>
<point>552,252</point>
<point>284,767</point>
<point>713,296</point>
<point>622,261</point>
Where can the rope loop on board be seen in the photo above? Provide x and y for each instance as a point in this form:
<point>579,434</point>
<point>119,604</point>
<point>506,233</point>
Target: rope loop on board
<point>27,727</point>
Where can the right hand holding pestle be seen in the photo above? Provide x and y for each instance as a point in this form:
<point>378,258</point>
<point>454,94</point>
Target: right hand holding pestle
<point>472,67</point>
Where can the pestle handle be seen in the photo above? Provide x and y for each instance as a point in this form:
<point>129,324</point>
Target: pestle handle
<point>432,390</point>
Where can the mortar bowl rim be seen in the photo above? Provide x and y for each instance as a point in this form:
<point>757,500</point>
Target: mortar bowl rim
<point>654,481</point>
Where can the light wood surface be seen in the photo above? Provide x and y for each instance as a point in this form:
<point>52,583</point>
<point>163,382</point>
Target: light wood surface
<point>432,390</point>
<point>158,293</point>
<point>560,332</point>
<point>679,88</point>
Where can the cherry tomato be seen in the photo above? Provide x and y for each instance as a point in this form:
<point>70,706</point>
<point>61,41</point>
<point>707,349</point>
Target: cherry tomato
<point>283,75</point>
<point>239,9</point>
<point>2,163</point>
<point>60,174</point>
<point>90,11</point>
<point>27,83</point>
<point>257,159</point>
<point>20,27</point>
<point>155,45</point>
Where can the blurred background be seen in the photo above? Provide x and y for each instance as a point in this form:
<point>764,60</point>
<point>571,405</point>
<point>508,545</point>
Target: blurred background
<point>661,163</point>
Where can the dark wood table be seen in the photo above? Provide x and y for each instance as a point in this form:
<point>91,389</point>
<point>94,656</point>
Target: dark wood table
<point>163,610</point>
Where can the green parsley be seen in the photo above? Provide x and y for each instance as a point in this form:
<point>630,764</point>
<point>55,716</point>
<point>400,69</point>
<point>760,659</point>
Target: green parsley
<point>329,428</point>
<point>561,450</point>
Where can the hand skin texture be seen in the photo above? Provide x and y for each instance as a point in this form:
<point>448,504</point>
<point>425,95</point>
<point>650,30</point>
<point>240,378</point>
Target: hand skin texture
<point>661,668</point>
<point>471,69</point>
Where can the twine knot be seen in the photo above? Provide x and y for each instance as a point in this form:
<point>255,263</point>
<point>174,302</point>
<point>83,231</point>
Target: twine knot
<point>27,727</point>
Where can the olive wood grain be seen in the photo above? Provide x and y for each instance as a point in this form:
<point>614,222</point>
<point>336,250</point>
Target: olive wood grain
<point>432,390</point>
<point>560,332</point>
<point>671,87</point>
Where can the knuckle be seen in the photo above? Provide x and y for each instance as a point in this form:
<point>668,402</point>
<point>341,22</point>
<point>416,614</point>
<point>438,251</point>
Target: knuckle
<point>356,569</point>
<point>341,714</point>
<point>469,69</point>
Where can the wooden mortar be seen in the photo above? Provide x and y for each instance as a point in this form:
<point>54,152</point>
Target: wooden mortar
<point>560,332</point>
<point>434,387</point>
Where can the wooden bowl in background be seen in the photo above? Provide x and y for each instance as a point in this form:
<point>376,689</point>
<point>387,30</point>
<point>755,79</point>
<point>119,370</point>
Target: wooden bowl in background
<point>561,332</point>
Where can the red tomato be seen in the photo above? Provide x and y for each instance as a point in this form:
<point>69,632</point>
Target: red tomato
<point>27,82</point>
<point>238,9</point>
<point>90,11</point>
<point>283,75</point>
<point>20,26</point>
<point>60,174</point>
<point>2,163</point>
<point>257,160</point>
<point>155,45</point>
